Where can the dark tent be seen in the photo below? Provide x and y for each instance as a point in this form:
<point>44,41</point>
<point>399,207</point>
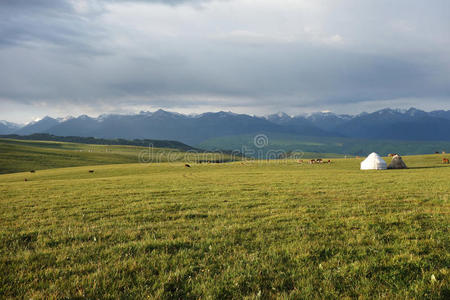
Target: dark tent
<point>397,163</point>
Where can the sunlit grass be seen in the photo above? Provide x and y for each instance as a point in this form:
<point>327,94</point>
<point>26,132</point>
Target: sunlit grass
<point>235,230</point>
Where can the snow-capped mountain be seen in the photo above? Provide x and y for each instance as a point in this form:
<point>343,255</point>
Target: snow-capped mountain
<point>9,127</point>
<point>410,124</point>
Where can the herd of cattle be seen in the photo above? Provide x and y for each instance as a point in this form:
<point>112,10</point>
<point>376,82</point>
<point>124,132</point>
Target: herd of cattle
<point>316,161</point>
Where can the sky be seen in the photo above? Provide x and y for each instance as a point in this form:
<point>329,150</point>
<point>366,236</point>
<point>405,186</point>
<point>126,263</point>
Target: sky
<point>73,57</point>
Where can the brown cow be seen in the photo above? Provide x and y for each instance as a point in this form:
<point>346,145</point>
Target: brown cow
<point>445,161</point>
<point>91,171</point>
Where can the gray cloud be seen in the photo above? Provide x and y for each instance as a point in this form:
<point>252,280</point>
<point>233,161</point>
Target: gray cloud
<point>104,55</point>
<point>165,2</point>
<point>54,23</point>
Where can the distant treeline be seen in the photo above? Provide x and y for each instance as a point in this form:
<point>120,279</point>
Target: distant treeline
<point>99,141</point>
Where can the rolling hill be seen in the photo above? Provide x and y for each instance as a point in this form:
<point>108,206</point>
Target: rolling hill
<point>283,143</point>
<point>27,155</point>
<point>97,141</point>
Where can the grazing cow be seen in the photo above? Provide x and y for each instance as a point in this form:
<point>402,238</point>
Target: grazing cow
<point>91,171</point>
<point>445,161</point>
<point>319,160</point>
<point>187,165</point>
<point>312,161</point>
<point>32,171</point>
<point>329,161</point>
<point>26,179</point>
<point>300,161</point>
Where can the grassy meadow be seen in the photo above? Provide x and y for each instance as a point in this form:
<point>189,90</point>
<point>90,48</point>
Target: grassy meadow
<point>26,155</point>
<point>255,229</point>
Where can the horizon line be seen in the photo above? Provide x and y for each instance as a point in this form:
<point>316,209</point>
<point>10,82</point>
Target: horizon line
<point>402,110</point>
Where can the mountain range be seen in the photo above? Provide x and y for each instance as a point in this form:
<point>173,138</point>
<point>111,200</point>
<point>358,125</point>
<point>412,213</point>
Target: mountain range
<point>386,124</point>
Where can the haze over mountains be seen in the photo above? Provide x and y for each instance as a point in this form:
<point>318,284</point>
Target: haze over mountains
<point>394,124</point>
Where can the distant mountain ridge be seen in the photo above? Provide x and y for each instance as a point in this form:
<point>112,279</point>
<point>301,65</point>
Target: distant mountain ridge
<point>38,126</point>
<point>410,124</point>
<point>8,127</point>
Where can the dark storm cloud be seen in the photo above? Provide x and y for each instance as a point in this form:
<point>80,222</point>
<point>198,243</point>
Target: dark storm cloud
<point>57,23</point>
<point>228,53</point>
<point>166,2</point>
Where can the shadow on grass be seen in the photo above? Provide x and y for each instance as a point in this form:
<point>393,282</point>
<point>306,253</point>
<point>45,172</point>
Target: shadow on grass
<point>427,167</point>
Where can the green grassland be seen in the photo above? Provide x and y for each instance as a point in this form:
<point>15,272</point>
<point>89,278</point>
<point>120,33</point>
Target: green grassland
<point>255,229</point>
<point>340,145</point>
<point>23,155</point>
<point>27,155</point>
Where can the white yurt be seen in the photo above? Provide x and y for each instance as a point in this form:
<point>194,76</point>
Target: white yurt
<point>373,162</point>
